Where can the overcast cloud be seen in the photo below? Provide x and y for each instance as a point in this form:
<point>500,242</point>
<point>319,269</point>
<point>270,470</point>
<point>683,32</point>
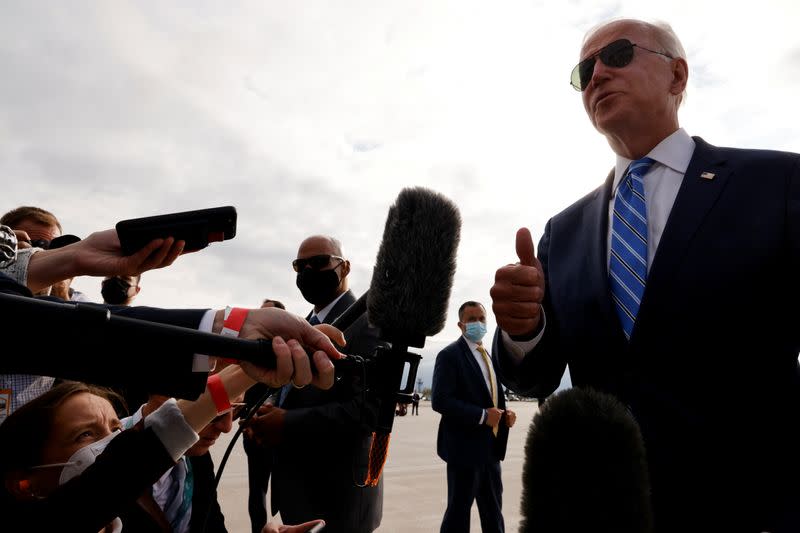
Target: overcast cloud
<point>311,116</point>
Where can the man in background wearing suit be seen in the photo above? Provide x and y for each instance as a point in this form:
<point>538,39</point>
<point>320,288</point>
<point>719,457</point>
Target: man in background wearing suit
<point>673,286</point>
<point>473,431</point>
<point>306,485</point>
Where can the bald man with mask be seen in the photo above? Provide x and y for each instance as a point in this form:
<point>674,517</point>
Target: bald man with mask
<point>304,486</point>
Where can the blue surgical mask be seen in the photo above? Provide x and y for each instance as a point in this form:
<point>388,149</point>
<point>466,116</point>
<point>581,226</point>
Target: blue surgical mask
<point>475,331</point>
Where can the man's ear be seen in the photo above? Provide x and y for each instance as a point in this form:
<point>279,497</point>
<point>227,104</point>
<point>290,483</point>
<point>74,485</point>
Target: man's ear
<point>345,268</point>
<point>680,75</point>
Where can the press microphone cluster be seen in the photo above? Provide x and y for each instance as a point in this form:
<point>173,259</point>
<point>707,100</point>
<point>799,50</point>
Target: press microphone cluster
<point>585,468</point>
<point>406,301</point>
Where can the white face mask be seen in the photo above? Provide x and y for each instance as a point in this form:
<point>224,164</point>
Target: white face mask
<point>81,459</point>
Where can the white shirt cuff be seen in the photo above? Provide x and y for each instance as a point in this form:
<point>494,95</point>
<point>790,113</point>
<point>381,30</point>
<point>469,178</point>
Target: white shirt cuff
<point>483,416</point>
<point>201,363</point>
<point>175,433</point>
<point>518,349</point>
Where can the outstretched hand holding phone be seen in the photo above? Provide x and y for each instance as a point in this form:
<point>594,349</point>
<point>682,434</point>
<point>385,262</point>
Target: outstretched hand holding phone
<point>99,254</point>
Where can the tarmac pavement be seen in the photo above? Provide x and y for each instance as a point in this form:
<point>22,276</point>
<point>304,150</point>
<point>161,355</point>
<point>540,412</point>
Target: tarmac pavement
<point>415,478</point>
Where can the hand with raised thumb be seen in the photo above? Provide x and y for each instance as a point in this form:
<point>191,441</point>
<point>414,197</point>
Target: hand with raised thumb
<point>518,290</point>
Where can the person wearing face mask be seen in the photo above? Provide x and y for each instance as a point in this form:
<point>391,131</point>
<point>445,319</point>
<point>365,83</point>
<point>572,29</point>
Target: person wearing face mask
<point>65,464</point>
<point>120,290</point>
<point>303,488</point>
<point>473,430</point>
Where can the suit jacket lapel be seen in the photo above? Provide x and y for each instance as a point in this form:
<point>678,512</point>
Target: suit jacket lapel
<point>695,199</point>
<point>477,372</point>
<point>596,215</point>
<point>341,306</point>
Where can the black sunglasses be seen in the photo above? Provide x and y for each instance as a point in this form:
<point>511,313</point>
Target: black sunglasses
<point>617,55</point>
<point>316,262</point>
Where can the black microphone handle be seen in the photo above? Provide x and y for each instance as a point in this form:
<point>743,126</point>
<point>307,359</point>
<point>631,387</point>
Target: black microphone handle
<point>91,326</point>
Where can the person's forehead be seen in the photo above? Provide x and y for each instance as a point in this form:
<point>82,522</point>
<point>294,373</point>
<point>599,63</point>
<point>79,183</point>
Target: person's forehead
<point>631,30</point>
<point>315,246</point>
<point>473,311</point>
<point>38,229</point>
<point>84,407</point>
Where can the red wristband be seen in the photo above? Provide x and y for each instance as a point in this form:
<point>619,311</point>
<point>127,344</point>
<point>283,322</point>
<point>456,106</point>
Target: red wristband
<point>218,393</point>
<point>234,319</point>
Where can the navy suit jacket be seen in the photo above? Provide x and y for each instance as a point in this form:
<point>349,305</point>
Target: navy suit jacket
<point>460,395</point>
<point>307,484</point>
<point>711,371</point>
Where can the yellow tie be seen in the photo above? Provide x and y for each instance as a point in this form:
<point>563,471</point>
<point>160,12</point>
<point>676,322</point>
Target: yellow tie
<point>488,363</point>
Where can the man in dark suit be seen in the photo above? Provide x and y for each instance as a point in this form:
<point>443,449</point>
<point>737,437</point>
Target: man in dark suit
<point>473,431</point>
<point>305,486</point>
<point>674,287</point>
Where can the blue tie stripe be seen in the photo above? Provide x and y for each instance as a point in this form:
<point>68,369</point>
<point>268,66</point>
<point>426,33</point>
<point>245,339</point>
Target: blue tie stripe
<point>627,265</point>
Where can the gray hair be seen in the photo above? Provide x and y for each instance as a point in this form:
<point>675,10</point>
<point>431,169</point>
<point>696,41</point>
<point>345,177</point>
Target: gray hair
<point>661,31</point>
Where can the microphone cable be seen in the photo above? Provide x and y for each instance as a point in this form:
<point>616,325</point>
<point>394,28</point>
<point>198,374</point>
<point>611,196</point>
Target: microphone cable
<point>251,412</point>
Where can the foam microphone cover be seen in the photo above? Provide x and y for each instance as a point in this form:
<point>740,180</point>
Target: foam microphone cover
<point>414,269</point>
<point>585,468</point>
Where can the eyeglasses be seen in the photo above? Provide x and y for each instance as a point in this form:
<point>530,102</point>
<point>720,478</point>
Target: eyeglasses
<point>617,55</point>
<point>235,410</point>
<point>316,262</point>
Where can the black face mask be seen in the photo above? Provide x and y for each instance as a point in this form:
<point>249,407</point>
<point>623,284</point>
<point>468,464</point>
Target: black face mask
<point>318,286</point>
<point>115,291</point>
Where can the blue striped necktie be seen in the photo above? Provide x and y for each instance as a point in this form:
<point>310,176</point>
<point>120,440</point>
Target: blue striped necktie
<point>627,267</point>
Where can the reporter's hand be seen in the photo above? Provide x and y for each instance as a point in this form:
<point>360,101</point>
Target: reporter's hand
<point>266,426</point>
<point>518,290</point>
<point>300,528</point>
<point>292,360</point>
<point>100,254</point>
<point>23,240</point>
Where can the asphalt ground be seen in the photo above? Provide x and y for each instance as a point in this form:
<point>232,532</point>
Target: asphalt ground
<point>415,479</point>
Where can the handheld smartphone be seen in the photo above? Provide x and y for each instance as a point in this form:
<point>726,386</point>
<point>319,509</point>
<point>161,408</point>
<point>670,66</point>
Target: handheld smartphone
<point>198,228</point>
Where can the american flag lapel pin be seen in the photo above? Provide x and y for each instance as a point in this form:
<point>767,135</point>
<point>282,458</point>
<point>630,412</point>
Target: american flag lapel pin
<point>707,175</point>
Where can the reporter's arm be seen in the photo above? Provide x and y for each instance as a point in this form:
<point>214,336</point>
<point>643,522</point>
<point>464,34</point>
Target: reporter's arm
<point>99,254</point>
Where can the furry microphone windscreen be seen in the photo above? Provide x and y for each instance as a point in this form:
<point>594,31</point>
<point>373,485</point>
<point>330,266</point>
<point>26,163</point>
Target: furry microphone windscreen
<point>414,269</point>
<point>585,468</point>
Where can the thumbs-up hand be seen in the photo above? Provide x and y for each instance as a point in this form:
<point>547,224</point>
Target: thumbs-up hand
<point>518,290</point>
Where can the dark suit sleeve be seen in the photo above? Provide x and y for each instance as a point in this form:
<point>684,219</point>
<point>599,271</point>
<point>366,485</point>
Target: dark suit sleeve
<point>444,398</point>
<point>73,342</point>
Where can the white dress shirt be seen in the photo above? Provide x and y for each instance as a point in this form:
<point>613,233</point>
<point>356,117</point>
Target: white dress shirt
<point>484,370</point>
<point>661,185</point>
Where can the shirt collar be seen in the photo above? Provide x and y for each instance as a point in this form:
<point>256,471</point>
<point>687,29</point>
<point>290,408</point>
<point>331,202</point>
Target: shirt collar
<point>327,309</point>
<point>472,345</point>
<point>674,152</point>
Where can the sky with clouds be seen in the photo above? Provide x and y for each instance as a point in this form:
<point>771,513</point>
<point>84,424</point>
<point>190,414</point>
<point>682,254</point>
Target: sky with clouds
<point>311,116</point>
